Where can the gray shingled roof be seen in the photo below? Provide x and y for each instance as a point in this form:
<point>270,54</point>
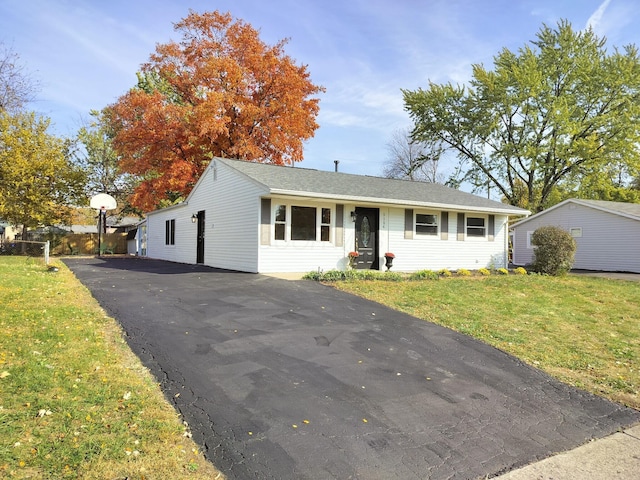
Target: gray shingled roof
<point>349,187</point>
<point>624,208</point>
<point>617,208</point>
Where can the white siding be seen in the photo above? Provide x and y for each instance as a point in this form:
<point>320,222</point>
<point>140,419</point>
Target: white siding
<point>307,256</point>
<point>184,235</point>
<point>609,242</point>
<point>425,252</point>
<point>232,206</point>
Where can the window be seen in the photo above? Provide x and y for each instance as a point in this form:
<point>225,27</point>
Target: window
<point>325,225</point>
<point>529,237</point>
<point>280,222</point>
<point>303,223</point>
<point>426,224</point>
<point>170,232</point>
<point>476,227</point>
<point>576,232</point>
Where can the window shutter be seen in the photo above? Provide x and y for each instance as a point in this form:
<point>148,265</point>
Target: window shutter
<point>460,227</point>
<point>408,223</point>
<point>265,221</point>
<point>491,228</point>
<point>444,225</point>
<point>339,225</point>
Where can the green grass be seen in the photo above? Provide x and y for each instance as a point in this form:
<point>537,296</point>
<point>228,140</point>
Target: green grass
<point>74,400</point>
<point>584,331</point>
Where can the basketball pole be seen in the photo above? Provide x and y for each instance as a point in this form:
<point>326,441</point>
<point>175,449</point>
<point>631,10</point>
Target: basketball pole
<point>102,213</point>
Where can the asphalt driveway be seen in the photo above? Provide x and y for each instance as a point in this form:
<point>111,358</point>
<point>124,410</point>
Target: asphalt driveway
<point>287,379</point>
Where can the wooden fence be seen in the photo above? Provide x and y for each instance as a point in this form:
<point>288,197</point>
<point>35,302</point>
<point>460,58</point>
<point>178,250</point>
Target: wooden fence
<point>87,244</point>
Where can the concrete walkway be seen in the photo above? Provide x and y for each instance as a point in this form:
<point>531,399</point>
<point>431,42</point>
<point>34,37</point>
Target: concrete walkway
<point>295,380</point>
<point>616,457</point>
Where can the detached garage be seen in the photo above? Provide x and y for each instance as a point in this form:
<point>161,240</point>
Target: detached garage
<point>607,234</point>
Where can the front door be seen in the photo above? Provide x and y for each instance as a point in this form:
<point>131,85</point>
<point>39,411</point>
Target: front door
<point>367,238</point>
<point>200,241</point>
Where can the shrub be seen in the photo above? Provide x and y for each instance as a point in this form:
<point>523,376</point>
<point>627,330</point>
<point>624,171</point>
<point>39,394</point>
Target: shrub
<point>444,272</point>
<point>554,252</point>
<point>520,271</point>
<point>503,271</point>
<point>424,275</point>
<point>463,272</point>
<point>338,275</point>
<point>485,272</point>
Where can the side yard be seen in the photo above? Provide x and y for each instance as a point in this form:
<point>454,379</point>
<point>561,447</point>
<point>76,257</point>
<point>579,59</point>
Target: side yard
<point>75,402</point>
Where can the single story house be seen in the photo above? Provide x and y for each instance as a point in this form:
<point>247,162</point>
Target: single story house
<point>263,218</point>
<point>606,234</point>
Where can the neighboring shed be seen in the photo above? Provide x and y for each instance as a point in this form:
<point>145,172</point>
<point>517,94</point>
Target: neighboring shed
<point>607,234</point>
<point>137,239</point>
<point>263,218</point>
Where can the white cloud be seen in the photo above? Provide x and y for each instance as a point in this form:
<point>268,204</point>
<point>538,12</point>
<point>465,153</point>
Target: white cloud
<point>596,17</point>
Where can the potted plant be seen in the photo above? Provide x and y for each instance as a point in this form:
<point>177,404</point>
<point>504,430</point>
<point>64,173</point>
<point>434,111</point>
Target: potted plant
<point>389,260</point>
<point>352,258</point>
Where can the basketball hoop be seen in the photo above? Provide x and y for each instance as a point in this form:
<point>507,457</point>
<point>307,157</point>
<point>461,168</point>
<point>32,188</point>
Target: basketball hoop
<point>102,202</point>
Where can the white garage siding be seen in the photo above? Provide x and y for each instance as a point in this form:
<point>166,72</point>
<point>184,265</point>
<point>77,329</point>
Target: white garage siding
<point>605,240</point>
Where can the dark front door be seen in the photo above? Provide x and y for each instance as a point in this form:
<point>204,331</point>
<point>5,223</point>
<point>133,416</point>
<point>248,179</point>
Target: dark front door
<point>200,247</point>
<point>367,238</point>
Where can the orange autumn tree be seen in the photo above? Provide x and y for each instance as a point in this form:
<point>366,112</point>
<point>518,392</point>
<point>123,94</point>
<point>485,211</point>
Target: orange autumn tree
<point>220,91</point>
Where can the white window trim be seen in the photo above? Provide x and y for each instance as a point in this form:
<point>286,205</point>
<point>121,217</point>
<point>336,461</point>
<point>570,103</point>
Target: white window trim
<point>287,231</point>
<point>416,235</point>
<point>529,244</point>
<point>576,232</point>
<point>474,238</point>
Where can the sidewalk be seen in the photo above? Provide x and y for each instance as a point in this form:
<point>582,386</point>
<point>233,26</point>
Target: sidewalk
<point>616,457</point>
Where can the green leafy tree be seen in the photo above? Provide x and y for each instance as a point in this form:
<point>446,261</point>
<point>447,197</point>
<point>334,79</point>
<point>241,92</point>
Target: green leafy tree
<point>545,118</point>
<point>100,160</point>
<point>38,181</point>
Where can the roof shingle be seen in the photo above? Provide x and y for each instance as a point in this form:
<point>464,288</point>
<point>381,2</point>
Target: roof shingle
<point>345,186</point>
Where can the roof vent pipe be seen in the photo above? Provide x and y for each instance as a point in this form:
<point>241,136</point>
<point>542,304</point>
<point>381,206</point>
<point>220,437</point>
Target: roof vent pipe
<point>336,162</point>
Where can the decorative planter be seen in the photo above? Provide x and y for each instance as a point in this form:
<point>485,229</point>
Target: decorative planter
<point>388,261</point>
<point>353,256</point>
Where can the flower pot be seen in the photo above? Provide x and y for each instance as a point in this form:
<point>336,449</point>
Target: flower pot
<point>388,262</point>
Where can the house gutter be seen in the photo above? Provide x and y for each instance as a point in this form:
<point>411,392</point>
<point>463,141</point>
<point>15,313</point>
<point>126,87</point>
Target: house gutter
<point>386,201</point>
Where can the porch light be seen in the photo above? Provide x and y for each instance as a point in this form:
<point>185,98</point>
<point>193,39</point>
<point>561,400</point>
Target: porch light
<point>194,218</point>
<point>354,215</point>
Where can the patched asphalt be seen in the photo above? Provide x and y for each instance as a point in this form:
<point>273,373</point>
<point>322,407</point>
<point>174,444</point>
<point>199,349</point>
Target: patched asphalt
<point>284,379</point>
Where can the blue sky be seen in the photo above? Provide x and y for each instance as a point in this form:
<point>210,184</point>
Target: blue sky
<point>85,53</point>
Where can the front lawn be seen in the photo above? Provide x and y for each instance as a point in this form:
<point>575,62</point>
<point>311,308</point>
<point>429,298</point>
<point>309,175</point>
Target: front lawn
<point>584,331</point>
